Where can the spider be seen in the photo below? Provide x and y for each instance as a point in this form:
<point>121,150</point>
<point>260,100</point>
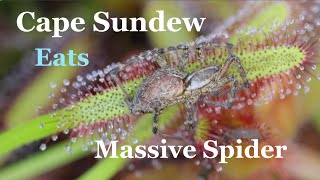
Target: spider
<point>169,85</point>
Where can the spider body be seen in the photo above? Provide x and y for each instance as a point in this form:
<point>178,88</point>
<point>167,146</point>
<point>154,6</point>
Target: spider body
<point>158,91</point>
<point>168,85</point>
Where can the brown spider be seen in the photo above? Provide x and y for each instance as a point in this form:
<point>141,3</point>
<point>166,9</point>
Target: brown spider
<point>167,85</point>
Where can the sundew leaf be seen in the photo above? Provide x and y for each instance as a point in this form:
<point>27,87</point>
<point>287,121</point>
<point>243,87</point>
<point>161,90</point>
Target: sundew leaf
<point>250,62</point>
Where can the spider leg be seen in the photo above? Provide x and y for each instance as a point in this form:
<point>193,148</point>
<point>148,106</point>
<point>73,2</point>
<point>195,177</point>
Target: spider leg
<point>228,46</point>
<point>205,45</point>
<point>134,60</point>
<point>115,77</point>
<point>164,51</point>
<point>231,92</point>
<point>185,56</point>
<point>155,128</point>
<point>155,125</point>
<point>191,114</point>
<point>226,105</point>
<point>231,59</point>
<point>156,55</point>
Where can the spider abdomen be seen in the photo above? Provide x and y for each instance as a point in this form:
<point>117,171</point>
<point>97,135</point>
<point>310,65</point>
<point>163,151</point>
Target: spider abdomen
<point>158,90</point>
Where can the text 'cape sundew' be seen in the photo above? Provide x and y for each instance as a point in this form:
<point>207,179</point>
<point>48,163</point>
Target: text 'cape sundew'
<point>103,22</point>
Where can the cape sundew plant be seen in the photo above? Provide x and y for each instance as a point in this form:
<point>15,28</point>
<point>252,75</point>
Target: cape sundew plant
<point>277,44</point>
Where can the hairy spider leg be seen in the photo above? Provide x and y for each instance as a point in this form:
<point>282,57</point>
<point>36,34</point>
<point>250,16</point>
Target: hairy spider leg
<point>191,114</point>
<point>185,56</point>
<point>222,78</point>
<point>114,75</point>
<point>205,45</point>
<point>224,70</point>
<point>162,51</point>
<point>156,55</point>
<point>218,91</point>
<point>155,127</point>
